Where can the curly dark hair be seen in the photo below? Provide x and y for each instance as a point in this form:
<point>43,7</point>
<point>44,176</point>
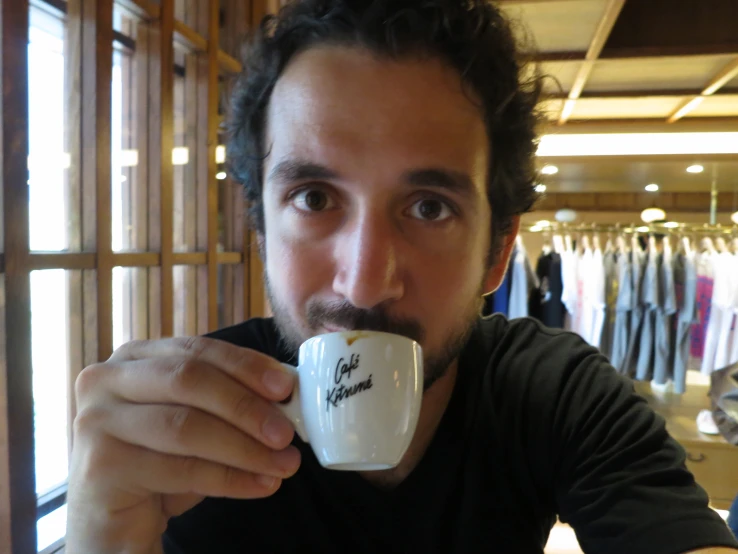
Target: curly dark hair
<point>472,36</point>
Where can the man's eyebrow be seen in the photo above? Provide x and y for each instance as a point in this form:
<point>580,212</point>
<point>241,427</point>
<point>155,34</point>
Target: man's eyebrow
<point>453,181</point>
<point>289,171</point>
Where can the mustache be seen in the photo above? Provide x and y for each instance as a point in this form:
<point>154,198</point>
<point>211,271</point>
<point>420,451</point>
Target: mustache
<point>343,314</point>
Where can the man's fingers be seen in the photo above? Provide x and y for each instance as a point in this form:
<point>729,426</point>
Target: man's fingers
<point>195,435</point>
<point>175,475</point>
<point>200,385</point>
<point>260,372</point>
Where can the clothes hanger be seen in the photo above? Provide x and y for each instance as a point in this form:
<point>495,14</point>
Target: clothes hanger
<point>720,245</point>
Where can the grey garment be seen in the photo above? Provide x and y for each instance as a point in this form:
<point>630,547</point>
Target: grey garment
<point>621,328</point>
<point>685,283</point>
<point>665,328</point>
<point>638,269</point>
<point>523,281</point>
<point>650,301</point>
<point>610,261</point>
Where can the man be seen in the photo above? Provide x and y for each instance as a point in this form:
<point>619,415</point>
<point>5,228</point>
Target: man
<point>387,148</point>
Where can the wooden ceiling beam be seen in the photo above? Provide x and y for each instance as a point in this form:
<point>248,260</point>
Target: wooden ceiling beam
<point>643,93</point>
<point>618,54</point>
<point>724,76</point>
<point>604,28</point>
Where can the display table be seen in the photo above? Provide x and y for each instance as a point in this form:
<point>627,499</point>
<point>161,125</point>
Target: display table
<point>712,460</point>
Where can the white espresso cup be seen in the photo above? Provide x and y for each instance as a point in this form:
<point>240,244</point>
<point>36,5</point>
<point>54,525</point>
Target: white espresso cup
<point>357,398</point>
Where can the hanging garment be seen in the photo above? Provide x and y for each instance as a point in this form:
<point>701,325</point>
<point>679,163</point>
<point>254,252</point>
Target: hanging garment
<point>621,330</point>
<point>720,312</point>
<point>569,289</point>
<point>665,335</point>
<point>522,282</point>
<point>638,269</point>
<point>685,286</point>
<point>584,310</point>
<point>705,283</point>
<point>500,301</point>
<point>610,262</point>
<point>725,291</point>
<point>546,304</point>
<point>596,297</point>
<point>650,296</point>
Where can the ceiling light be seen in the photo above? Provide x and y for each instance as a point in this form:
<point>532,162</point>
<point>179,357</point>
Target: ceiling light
<point>642,229</point>
<point>220,154</point>
<point>671,225</point>
<point>540,189</point>
<point>535,229</point>
<point>543,223</point>
<point>650,215</point>
<point>635,144</point>
<point>221,176</point>
<point>734,218</point>
<point>566,216</point>
<point>695,169</point>
<point>653,187</point>
<point>550,170</point>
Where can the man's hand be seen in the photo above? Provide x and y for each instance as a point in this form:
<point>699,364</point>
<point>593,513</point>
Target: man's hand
<point>163,424</point>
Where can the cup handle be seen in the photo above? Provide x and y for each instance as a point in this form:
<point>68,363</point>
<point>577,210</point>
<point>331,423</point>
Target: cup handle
<point>293,407</point>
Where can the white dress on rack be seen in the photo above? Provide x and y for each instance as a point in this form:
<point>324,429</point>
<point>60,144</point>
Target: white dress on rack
<point>721,315</point>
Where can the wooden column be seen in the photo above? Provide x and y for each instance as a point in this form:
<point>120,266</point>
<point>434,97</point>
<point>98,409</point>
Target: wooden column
<point>166,114</point>
<point>17,468</point>
<point>212,143</point>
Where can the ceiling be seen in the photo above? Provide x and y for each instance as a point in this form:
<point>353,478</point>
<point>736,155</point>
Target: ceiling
<point>661,65</point>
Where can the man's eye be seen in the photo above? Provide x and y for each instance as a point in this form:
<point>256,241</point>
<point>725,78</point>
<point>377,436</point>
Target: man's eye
<point>430,209</point>
<point>312,200</point>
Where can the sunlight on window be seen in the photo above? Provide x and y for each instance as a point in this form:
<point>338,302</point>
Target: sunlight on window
<point>50,358</point>
<point>47,159</point>
<point>51,528</point>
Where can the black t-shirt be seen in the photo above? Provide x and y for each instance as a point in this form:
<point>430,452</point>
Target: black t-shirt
<point>545,301</point>
<point>539,424</point>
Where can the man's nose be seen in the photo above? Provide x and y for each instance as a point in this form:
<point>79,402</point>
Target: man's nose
<point>366,257</point>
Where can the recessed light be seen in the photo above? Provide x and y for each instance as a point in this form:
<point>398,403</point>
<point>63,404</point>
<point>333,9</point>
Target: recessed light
<point>642,229</point>
<point>649,215</point>
<point>540,189</point>
<point>653,187</point>
<point>543,223</point>
<point>221,176</point>
<point>695,169</point>
<point>550,170</point>
<point>671,224</point>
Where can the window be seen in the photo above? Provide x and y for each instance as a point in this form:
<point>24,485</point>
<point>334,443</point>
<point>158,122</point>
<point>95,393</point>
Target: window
<point>100,274</point>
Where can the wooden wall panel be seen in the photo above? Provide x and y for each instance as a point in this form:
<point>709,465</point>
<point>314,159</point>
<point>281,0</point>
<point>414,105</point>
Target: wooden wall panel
<point>17,475</point>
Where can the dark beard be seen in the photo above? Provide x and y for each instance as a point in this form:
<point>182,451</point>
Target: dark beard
<point>347,316</point>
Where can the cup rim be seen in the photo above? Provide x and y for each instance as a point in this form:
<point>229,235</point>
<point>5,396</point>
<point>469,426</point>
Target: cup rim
<point>359,331</point>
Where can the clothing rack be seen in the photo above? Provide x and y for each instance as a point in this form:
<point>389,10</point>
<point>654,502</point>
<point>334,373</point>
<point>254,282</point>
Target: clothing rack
<point>642,228</point>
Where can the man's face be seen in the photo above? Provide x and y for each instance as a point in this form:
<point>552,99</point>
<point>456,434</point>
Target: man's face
<point>375,207</point>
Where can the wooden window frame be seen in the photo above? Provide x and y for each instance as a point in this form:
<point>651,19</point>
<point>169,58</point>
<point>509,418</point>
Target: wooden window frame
<point>90,257</point>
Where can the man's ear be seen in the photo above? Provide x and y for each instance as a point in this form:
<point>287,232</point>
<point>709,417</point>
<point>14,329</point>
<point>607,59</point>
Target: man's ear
<point>496,273</point>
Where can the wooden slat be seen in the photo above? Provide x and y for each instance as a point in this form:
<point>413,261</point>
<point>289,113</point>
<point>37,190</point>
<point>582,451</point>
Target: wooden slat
<point>642,93</point>
<point>189,258</point>
<point>213,92</point>
<point>723,77</point>
<point>136,259</point>
<point>604,28</point>
<point>64,260</point>
<point>97,66</point>
<point>229,258</point>
<point>17,469</point>
<point>189,38</point>
<point>228,63</point>
<point>145,9</point>
<point>166,57</point>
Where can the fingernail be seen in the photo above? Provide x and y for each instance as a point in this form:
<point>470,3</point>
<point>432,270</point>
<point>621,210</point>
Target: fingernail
<point>265,481</point>
<point>277,430</point>
<point>287,460</point>
<point>277,381</point>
